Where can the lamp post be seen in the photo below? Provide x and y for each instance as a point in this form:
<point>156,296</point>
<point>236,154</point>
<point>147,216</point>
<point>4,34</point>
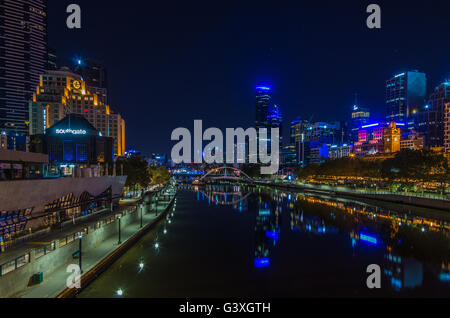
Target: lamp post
<point>80,236</point>
<point>119,216</point>
<point>142,207</point>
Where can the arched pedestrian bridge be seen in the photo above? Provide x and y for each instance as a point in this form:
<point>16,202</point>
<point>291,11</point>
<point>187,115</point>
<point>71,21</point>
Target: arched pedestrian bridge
<point>224,174</point>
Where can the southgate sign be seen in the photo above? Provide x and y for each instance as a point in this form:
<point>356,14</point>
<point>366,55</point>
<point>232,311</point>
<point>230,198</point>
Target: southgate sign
<point>71,131</point>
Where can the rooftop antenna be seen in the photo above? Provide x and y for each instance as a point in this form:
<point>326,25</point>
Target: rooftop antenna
<point>356,98</point>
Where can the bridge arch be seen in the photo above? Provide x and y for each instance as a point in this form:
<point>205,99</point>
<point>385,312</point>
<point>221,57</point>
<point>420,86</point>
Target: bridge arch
<point>215,170</point>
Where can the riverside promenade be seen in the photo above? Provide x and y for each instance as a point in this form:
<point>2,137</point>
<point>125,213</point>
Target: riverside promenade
<point>99,242</point>
<point>425,201</point>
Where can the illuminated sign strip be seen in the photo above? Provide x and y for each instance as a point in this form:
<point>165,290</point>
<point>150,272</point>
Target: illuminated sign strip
<point>71,131</point>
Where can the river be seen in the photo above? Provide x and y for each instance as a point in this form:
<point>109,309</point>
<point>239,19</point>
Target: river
<point>241,241</point>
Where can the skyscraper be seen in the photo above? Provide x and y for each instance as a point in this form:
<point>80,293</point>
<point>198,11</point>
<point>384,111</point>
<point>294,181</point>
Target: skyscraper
<point>61,93</point>
<point>360,117</point>
<point>447,127</point>
<point>298,130</point>
<point>263,102</point>
<point>405,94</point>
<point>431,118</point>
<point>23,57</point>
<point>95,75</point>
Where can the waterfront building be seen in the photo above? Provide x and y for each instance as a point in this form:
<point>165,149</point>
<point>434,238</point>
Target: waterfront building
<point>370,139</point>
<point>303,153</point>
<point>63,92</point>
<point>15,165</point>
<point>405,94</point>
<point>336,152</point>
<point>391,136</point>
<point>288,156</point>
<point>413,141</point>
<point>431,118</point>
<point>23,57</point>
<point>318,153</point>
<point>73,143</point>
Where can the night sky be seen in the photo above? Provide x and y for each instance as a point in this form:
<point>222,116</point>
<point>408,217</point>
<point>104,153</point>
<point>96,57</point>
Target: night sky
<point>170,62</point>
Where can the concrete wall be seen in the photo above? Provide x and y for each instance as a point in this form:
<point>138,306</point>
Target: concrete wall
<point>24,194</point>
<point>18,280</point>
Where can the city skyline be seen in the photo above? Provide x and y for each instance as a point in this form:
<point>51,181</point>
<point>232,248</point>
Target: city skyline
<point>293,53</point>
<point>176,151</point>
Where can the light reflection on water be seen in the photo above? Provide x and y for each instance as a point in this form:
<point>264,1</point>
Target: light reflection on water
<point>408,241</point>
<point>240,241</point>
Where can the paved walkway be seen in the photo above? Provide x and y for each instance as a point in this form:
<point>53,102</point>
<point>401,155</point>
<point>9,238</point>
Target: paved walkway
<point>55,283</point>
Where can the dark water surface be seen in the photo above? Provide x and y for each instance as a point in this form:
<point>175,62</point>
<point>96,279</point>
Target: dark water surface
<point>237,241</point>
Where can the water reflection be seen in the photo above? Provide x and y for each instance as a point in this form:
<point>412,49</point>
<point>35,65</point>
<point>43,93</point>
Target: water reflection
<point>409,243</point>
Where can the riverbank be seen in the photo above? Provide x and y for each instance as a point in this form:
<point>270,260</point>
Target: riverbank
<point>101,266</point>
<point>417,201</point>
<point>51,258</point>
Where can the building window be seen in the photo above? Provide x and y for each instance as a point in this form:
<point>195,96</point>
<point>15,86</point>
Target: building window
<point>82,155</point>
<point>68,153</point>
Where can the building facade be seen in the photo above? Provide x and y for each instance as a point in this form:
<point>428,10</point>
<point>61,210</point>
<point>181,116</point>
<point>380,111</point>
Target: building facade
<point>447,128</point>
<point>263,102</point>
<point>360,117</point>
<point>96,77</point>
<point>63,92</point>
<point>23,57</point>
<point>73,142</point>
<point>298,130</point>
<point>336,152</point>
<point>405,94</point>
<point>431,118</point>
<point>391,136</point>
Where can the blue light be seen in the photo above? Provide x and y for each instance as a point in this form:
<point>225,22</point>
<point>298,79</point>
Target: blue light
<point>272,234</point>
<point>368,238</point>
<point>396,283</point>
<point>79,62</point>
<point>444,277</point>
<point>264,88</point>
<point>400,124</point>
<point>262,262</point>
<point>371,125</point>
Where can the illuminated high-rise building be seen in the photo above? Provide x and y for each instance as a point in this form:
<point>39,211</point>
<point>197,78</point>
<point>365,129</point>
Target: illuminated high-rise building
<point>431,118</point>
<point>63,92</point>
<point>95,75</point>
<point>447,127</point>
<point>263,103</point>
<point>360,117</point>
<point>405,94</point>
<point>23,57</point>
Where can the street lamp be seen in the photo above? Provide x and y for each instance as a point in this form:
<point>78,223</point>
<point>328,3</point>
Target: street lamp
<point>142,207</point>
<point>80,236</point>
<point>119,216</point>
